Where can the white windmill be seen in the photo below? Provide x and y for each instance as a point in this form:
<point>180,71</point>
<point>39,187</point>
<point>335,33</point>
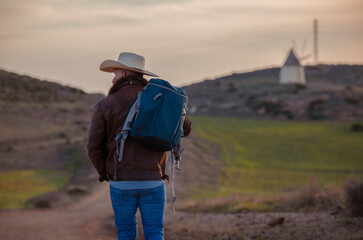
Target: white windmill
<point>292,72</point>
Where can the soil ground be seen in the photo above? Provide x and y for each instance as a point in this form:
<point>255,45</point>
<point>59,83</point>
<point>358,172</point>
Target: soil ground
<point>92,219</point>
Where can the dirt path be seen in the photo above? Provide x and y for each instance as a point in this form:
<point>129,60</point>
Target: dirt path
<point>76,222</point>
<point>254,226</point>
<point>92,219</point>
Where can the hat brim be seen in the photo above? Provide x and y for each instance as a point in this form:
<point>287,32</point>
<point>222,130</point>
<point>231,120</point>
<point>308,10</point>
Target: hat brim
<point>111,65</point>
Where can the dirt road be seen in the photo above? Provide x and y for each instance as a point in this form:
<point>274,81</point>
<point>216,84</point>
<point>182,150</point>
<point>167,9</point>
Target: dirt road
<point>91,219</point>
<point>77,222</point>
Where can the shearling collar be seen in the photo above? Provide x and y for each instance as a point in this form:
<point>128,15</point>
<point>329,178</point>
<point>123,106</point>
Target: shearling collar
<point>126,81</point>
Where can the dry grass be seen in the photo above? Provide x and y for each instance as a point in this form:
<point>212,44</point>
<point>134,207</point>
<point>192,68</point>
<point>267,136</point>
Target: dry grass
<point>236,203</point>
<point>312,196</point>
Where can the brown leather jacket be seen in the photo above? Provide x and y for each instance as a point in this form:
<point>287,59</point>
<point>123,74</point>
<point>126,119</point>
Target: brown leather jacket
<point>139,163</point>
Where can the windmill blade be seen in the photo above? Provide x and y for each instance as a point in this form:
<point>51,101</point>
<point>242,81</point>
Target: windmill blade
<point>294,45</point>
<point>303,46</point>
<point>305,57</point>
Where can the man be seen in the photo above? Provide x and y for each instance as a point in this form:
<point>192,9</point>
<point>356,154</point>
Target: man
<point>138,180</point>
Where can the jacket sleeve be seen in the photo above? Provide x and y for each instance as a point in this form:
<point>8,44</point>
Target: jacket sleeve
<point>97,141</point>
<point>187,127</point>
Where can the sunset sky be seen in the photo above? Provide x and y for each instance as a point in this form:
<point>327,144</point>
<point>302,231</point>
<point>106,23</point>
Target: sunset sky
<point>182,40</point>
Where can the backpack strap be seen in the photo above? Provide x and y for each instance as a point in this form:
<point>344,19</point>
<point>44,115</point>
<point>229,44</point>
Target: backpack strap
<point>171,158</point>
<point>124,133</point>
<point>177,152</point>
<point>174,154</point>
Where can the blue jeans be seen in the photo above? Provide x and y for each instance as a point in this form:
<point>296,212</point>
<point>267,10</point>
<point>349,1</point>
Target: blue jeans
<point>151,203</point>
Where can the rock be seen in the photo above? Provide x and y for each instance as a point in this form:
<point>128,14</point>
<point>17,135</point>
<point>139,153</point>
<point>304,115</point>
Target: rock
<point>9,149</point>
<point>245,210</point>
<point>276,221</point>
<point>337,210</point>
<point>77,190</point>
<point>42,203</point>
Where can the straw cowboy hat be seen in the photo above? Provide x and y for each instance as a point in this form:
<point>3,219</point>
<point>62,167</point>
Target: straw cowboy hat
<point>127,61</point>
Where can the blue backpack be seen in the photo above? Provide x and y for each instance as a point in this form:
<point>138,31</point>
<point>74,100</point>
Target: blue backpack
<point>156,119</point>
<point>159,122</point>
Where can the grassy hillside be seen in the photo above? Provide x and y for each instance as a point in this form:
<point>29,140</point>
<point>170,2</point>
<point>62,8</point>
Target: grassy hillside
<point>263,157</point>
<point>43,127</point>
<point>17,187</point>
<point>32,109</point>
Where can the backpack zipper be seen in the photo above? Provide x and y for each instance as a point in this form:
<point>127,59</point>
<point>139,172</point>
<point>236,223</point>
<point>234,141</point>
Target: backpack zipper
<point>170,89</point>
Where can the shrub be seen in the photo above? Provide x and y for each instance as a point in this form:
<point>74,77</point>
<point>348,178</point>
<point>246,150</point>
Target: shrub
<point>309,196</point>
<point>312,196</point>
<point>354,196</point>
<point>216,83</point>
<point>43,98</point>
<point>271,107</point>
<point>357,127</point>
<point>352,100</point>
<point>62,135</point>
<point>232,87</point>
<point>297,87</point>
<point>315,110</point>
<point>79,111</point>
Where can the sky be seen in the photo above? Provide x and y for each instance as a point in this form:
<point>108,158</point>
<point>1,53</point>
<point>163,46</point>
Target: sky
<point>183,41</point>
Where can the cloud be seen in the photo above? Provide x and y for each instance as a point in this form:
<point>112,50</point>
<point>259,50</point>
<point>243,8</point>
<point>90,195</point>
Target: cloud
<point>139,2</point>
<point>206,37</point>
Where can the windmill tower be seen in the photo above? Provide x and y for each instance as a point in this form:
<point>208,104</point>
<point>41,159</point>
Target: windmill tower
<point>292,72</point>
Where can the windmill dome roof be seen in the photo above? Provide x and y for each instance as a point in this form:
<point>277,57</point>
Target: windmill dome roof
<point>292,60</point>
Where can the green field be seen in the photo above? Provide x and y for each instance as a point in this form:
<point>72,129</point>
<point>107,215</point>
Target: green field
<point>262,157</point>
<point>17,187</point>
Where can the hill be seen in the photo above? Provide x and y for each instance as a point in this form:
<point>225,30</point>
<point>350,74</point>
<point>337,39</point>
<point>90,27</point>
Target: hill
<point>43,127</point>
<point>332,92</point>
<point>32,109</point>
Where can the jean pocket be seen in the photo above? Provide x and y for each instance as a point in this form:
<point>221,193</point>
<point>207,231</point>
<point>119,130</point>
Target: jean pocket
<point>156,195</point>
<point>117,197</point>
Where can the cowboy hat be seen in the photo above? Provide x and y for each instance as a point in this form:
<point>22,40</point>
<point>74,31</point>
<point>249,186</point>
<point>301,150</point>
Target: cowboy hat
<point>127,61</point>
